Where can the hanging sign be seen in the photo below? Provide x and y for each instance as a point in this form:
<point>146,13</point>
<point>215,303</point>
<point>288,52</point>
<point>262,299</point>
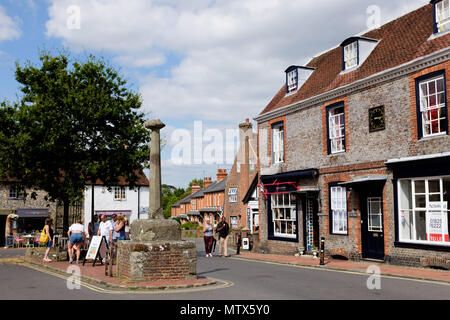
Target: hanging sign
<point>437,222</point>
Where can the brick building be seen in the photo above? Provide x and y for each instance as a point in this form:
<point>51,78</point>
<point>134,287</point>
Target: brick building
<point>202,203</point>
<point>356,148</point>
<point>240,178</point>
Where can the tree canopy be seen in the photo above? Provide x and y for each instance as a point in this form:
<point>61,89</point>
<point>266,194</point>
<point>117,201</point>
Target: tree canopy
<point>74,123</point>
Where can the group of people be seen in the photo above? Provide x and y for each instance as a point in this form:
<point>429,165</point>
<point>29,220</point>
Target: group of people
<point>222,229</point>
<point>116,229</point>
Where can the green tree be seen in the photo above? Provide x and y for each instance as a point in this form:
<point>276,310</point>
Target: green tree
<point>189,188</point>
<point>74,122</point>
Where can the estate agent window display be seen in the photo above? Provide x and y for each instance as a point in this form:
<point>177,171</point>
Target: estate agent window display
<point>424,210</point>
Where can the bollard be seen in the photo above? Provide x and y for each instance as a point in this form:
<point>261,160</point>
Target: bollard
<point>322,251</point>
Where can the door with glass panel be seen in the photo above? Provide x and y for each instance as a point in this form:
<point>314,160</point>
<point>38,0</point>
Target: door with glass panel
<point>372,226</point>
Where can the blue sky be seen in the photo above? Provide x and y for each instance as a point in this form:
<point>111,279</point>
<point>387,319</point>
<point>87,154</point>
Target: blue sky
<point>214,61</point>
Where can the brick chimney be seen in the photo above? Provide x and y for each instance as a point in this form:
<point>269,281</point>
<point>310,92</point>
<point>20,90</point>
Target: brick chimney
<point>195,188</point>
<point>221,174</point>
<point>207,182</point>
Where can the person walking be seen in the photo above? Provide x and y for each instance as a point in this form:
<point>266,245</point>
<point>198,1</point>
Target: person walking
<point>77,236</point>
<point>119,228</point>
<point>223,229</point>
<point>208,237</point>
<point>49,232</point>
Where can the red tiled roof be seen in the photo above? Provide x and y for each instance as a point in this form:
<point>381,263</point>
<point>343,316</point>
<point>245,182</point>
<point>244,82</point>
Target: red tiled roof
<point>402,40</point>
<point>142,181</point>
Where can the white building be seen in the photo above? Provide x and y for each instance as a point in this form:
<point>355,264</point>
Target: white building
<point>119,200</point>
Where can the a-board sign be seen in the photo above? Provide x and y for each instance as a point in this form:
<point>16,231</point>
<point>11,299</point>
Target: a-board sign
<point>97,249</point>
<point>9,241</point>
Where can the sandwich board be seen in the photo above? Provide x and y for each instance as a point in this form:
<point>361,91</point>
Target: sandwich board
<point>97,250</point>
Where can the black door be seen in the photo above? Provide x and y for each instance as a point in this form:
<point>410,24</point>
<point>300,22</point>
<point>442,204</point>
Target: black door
<point>2,231</point>
<point>372,229</point>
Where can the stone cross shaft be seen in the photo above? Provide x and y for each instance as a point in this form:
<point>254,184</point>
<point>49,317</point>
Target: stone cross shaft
<point>155,210</point>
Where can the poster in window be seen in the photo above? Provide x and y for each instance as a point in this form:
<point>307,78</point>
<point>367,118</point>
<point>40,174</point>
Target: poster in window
<point>437,222</point>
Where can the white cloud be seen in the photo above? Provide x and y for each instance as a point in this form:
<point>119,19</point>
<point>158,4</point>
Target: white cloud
<point>234,51</point>
<point>9,29</point>
<point>231,53</point>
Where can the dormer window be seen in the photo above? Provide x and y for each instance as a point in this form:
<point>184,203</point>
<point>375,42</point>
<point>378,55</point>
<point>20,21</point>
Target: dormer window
<point>295,77</point>
<point>351,55</point>
<point>442,14</point>
<point>292,81</point>
<point>355,51</point>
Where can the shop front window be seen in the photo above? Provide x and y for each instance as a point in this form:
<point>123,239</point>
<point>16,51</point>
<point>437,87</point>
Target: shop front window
<point>284,215</point>
<point>423,210</point>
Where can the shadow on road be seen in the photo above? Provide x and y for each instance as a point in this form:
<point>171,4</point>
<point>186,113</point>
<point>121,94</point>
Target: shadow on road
<point>214,270</point>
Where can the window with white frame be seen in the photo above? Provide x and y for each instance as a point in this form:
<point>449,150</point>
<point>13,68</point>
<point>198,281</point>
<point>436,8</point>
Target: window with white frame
<point>194,204</point>
<point>336,125</point>
<point>119,193</point>
<point>16,192</point>
<point>338,206</point>
<point>433,106</point>
<point>442,15</point>
<point>424,210</point>
<point>278,143</point>
<point>292,81</point>
<point>232,195</point>
<point>374,214</point>
<point>284,215</point>
<point>351,55</point>
<point>238,166</point>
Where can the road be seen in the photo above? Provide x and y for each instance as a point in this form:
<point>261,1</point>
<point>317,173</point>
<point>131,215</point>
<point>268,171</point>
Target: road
<point>243,280</point>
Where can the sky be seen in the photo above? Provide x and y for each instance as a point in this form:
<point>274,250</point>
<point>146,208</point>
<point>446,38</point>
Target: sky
<point>198,64</point>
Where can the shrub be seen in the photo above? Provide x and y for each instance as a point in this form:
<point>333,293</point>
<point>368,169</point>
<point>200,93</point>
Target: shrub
<point>189,226</point>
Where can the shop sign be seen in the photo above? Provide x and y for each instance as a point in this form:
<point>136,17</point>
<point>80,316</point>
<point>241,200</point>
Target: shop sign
<point>94,247</point>
<point>437,222</point>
